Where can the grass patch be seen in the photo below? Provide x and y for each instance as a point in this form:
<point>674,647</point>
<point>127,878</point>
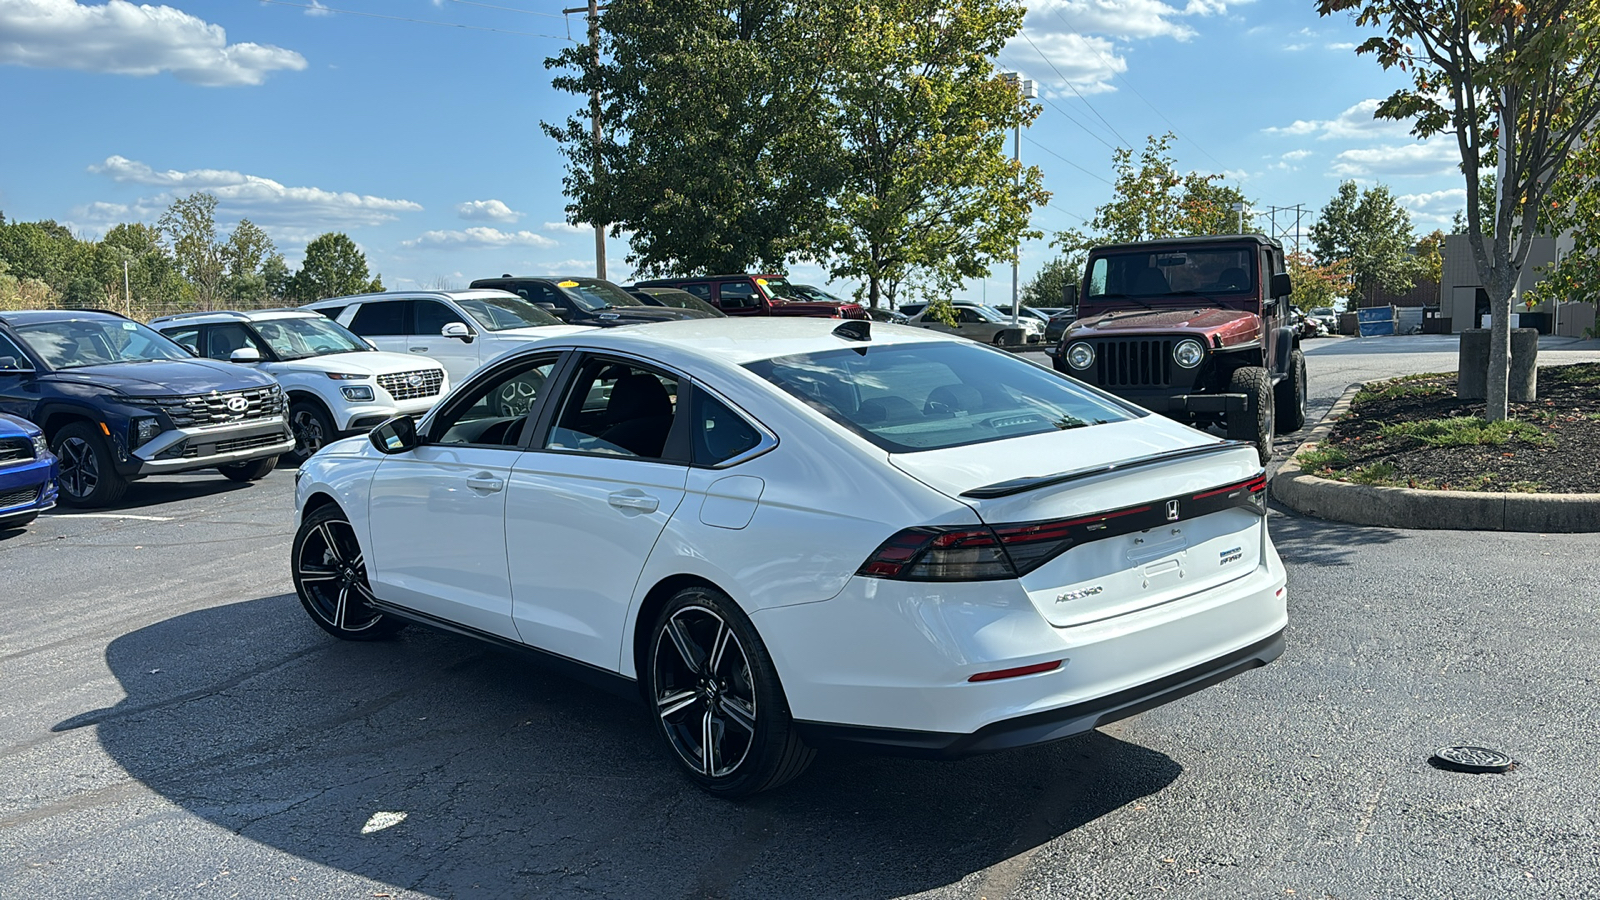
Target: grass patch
<point>1464,431</point>
<point>1429,385</point>
<point>1377,474</point>
<point>1323,458</point>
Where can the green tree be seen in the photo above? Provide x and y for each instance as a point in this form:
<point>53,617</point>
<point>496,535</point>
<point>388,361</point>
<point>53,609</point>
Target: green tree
<point>716,140</point>
<point>928,186</point>
<point>190,228</point>
<point>1317,284</point>
<point>246,252</point>
<point>1151,200</point>
<point>1045,288</point>
<point>1574,210</point>
<point>1518,84</point>
<point>334,266</point>
<point>153,279</point>
<point>1371,232</point>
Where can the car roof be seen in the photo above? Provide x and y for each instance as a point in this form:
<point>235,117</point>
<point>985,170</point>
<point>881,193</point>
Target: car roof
<point>253,315</point>
<point>737,341</point>
<point>410,295</point>
<point>31,316</point>
<point>1190,242</point>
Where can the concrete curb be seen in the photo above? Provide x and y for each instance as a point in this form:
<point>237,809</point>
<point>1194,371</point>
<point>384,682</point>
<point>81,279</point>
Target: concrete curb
<point>1394,507</point>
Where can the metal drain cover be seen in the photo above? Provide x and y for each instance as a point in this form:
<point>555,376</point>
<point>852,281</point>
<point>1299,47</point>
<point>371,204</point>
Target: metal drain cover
<point>1476,760</point>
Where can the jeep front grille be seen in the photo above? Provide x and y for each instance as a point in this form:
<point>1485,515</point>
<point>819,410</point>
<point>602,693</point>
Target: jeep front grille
<point>201,410</point>
<point>15,450</point>
<point>413,384</point>
<point>22,497</point>
<point>1134,362</point>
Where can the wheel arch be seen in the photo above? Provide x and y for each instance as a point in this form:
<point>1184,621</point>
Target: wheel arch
<point>650,607</point>
<point>57,418</point>
<point>316,501</point>
<point>305,395</point>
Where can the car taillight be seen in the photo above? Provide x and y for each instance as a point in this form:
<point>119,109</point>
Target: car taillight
<point>981,553</point>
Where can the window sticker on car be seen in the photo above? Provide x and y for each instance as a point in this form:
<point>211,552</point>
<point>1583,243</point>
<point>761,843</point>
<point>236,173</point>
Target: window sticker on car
<point>566,284</point>
<point>129,326</point>
<point>761,281</point>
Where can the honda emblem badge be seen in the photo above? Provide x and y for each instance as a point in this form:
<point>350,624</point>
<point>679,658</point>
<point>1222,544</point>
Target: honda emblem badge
<point>1172,510</point>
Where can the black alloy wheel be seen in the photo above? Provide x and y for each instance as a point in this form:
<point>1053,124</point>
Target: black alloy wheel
<point>330,575</point>
<point>717,699</point>
<point>312,430</point>
<point>88,475</point>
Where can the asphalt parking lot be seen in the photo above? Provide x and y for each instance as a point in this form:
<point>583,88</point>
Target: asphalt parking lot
<point>175,726</point>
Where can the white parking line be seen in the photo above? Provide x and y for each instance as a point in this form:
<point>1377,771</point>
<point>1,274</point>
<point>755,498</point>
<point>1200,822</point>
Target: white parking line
<point>109,516</point>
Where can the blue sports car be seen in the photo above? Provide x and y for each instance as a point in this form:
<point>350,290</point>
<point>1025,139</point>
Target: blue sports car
<point>28,472</point>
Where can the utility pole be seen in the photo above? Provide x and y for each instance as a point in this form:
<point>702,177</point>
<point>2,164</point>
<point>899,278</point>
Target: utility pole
<point>127,295</point>
<point>592,12</point>
<point>1027,91</point>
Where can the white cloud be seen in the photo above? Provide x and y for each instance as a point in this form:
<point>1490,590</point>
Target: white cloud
<point>317,9</point>
<point>569,228</point>
<point>1296,155</point>
<point>1434,207</point>
<point>477,238</point>
<point>251,196</point>
<point>491,210</point>
<point>1355,123</point>
<point>1080,37</point>
<point>120,38</point>
<point>1342,45</point>
<point>1437,157</point>
<point>1131,18</point>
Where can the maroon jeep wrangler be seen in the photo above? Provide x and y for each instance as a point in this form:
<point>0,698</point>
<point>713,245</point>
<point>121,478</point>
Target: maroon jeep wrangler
<point>1195,328</point>
<point>757,295</point>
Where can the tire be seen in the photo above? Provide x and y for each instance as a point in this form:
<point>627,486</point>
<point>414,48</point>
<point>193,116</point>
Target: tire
<point>1291,396</point>
<point>708,675</point>
<point>1003,338</point>
<point>1255,425</point>
<point>330,577</point>
<point>312,429</point>
<point>250,470</point>
<point>88,474</point>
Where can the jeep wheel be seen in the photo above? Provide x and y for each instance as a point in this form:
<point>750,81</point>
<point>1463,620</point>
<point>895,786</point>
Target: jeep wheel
<point>251,470</point>
<point>1255,424</point>
<point>1291,397</point>
<point>88,474</point>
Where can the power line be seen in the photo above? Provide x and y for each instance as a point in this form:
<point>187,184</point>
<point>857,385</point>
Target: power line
<point>1118,75</point>
<point>1065,160</point>
<point>1069,116</point>
<point>1075,90</point>
<point>529,12</point>
<point>1068,212</point>
<point>351,12</point>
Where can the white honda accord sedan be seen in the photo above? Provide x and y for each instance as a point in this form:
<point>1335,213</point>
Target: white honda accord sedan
<point>785,535</point>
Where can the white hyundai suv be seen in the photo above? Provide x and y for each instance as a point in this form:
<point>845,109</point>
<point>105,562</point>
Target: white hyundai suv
<point>337,384</point>
<point>461,329</point>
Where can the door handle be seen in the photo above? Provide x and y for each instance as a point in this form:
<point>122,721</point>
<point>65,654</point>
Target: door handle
<point>485,482</point>
<point>633,500</point>
<point>419,349</point>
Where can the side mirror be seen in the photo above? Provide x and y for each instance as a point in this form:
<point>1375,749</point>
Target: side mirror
<point>245,355</point>
<point>10,364</point>
<point>369,343</point>
<point>1069,296</point>
<point>1281,286</point>
<point>396,435</point>
<point>457,330</point>
<point>553,310</point>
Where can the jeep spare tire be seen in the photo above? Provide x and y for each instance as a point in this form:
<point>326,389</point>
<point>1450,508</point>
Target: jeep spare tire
<point>1254,424</point>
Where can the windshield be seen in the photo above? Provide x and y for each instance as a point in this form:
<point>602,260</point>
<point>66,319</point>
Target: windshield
<point>501,313</point>
<point>778,286</point>
<point>302,338</point>
<point>1161,273</point>
<point>593,294</point>
<point>71,344</point>
<point>909,397</point>
<point>684,300</point>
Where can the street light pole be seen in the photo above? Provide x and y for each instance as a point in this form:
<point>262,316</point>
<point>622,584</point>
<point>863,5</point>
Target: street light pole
<point>593,13</point>
<point>1026,90</point>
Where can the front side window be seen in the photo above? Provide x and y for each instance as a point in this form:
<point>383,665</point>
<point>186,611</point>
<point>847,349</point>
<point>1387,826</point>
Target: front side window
<point>495,413</point>
<point>432,316</point>
<point>188,337</point>
<point>304,337</point>
<point>617,409</point>
<point>13,353</point>
<point>382,318</point>
<point>910,397</point>
<point>222,340</point>
<point>737,295</point>
<point>75,343</point>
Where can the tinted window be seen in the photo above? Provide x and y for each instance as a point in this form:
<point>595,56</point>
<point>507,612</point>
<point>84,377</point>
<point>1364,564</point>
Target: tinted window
<point>703,291</point>
<point>384,317</point>
<point>719,434</point>
<point>332,312</point>
<point>222,340</point>
<point>188,337</point>
<point>432,316</point>
<point>1155,273</point>
<point>500,313</point>
<point>494,413</point>
<point>617,409</point>
<point>905,398</point>
<point>737,294</point>
<point>8,349</point>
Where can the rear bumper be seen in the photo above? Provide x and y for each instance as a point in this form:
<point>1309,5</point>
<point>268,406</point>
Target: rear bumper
<point>1050,725</point>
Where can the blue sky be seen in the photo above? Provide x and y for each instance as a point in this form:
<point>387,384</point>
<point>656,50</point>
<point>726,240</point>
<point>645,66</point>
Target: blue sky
<point>422,141</point>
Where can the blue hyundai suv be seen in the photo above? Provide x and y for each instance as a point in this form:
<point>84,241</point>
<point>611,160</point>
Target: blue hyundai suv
<point>27,472</point>
<point>118,402</point>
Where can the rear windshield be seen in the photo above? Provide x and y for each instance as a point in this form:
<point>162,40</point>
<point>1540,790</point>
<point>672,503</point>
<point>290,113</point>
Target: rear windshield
<point>910,397</point>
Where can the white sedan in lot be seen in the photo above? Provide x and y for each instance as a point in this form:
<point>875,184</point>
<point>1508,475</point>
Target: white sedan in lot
<point>792,534</point>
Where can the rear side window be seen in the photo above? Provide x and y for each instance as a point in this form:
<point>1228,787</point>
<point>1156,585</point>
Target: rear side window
<point>719,434</point>
<point>910,397</point>
<point>387,317</point>
<point>332,312</point>
<point>703,291</point>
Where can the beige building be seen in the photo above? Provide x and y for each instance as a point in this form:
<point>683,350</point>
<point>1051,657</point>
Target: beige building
<point>1463,301</point>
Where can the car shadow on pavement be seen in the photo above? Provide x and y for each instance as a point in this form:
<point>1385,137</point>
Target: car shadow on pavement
<point>1323,542</point>
<point>437,764</point>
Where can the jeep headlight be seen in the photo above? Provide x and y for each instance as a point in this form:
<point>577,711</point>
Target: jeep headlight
<point>1188,353</point>
<point>1080,356</point>
<point>359,393</point>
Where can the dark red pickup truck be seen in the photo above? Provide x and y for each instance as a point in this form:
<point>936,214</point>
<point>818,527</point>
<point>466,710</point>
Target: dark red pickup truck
<point>757,295</point>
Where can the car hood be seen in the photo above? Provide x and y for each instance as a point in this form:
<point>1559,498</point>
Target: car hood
<point>11,426</point>
<point>1231,326</point>
<point>820,307</point>
<point>164,378</point>
<point>366,362</point>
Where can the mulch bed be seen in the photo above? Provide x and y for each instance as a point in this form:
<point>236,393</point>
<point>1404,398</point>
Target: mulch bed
<point>1563,458</point>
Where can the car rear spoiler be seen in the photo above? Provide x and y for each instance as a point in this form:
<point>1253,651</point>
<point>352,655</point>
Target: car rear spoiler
<point>1034,482</point>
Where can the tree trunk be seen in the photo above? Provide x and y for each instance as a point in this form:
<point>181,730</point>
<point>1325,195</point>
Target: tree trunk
<point>1498,409</point>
